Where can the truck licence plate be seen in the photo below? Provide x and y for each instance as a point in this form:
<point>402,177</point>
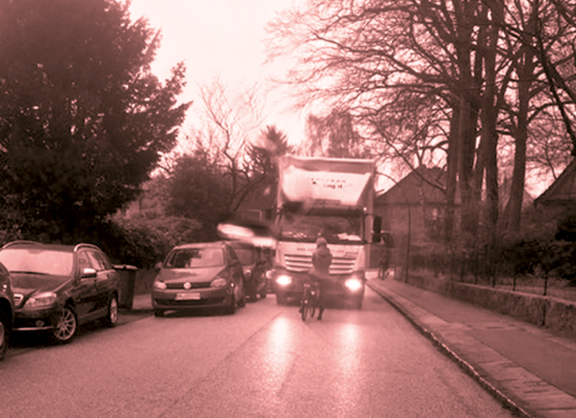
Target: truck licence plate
<point>188,296</point>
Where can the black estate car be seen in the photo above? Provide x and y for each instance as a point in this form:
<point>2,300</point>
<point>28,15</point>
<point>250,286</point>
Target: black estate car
<point>6,309</point>
<point>59,287</point>
<point>255,267</point>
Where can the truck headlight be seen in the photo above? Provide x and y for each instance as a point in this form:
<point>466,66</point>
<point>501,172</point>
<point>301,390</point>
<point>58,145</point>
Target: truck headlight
<point>353,284</point>
<point>284,280</point>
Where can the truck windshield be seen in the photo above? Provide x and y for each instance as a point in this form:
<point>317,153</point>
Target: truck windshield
<point>336,229</point>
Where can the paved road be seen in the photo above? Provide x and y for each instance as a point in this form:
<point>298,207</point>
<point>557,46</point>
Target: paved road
<point>262,361</point>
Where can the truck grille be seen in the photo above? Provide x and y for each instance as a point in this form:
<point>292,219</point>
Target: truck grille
<point>303,263</point>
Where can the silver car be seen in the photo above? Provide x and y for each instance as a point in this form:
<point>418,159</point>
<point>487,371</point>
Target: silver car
<point>199,275</point>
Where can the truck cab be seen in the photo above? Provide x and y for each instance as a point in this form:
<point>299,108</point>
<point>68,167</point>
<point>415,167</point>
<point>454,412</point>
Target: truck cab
<point>330,198</point>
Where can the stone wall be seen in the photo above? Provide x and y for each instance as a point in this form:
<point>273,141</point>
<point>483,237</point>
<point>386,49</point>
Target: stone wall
<point>553,313</point>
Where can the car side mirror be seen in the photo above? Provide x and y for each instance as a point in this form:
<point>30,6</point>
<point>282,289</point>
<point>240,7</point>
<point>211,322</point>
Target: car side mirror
<point>158,266</point>
<point>88,273</point>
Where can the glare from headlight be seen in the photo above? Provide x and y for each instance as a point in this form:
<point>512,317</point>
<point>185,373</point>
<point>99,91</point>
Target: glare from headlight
<point>41,300</point>
<point>284,280</point>
<point>159,285</point>
<point>353,284</point>
<point>219,282</point>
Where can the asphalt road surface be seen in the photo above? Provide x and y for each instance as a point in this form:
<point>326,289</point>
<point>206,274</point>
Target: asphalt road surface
<point>261,362</point>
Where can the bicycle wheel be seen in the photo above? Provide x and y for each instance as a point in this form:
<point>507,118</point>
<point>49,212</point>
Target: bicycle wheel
<point>312,305</point>
<point>305,304</point>
<point>305,308</point>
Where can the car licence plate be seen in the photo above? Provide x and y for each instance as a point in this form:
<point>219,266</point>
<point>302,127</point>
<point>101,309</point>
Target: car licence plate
<point>188,296</point>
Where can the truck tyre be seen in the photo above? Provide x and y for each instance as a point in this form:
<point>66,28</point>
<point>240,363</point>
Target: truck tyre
<point>281,299</point>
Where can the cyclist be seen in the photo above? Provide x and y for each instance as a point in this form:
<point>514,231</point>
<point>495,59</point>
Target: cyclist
<point>321,260</point>
<point>384,260</point>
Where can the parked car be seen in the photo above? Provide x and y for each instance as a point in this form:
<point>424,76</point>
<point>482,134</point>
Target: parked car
<point>6,309</point>
<point>57,288</point>
<point>255,266</point>
<point>199,275</point>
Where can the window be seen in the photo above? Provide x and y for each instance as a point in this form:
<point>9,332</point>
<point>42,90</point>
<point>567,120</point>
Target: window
<point>95,261</point>
<point>195,257</point>
<point>83,261</point>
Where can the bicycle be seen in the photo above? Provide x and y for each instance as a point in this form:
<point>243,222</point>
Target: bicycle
<point>309,300</point>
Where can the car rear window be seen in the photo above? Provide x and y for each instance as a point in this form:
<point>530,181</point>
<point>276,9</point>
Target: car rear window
<point>39,261</point>
<point>195,257</point>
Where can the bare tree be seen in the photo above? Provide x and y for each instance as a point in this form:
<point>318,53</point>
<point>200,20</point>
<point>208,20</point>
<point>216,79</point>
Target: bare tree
<point>442,79</point>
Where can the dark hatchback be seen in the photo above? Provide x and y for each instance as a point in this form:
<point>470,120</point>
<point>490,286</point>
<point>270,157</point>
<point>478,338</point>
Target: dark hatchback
<point>256,266</point>
<point>6,309</point>
<point>199,275</point>
<point>57,288</point>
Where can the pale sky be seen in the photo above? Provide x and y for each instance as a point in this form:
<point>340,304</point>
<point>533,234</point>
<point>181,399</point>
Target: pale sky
<point>221,38</point>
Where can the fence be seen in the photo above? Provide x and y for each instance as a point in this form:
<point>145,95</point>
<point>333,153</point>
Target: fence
<point>543,269</point>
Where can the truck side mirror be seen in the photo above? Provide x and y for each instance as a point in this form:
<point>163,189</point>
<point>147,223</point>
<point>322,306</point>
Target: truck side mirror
<point>377,229</point>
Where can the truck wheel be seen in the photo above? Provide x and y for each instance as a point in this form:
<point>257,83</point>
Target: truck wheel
<point>281,299</point>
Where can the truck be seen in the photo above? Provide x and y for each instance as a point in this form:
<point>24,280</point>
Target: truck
<point>324,197</point>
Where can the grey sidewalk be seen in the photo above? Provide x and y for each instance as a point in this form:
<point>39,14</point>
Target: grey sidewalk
<point>530,370</point>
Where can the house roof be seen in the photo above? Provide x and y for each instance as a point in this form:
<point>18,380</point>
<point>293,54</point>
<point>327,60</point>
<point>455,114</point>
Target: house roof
<point>421,185</point>
<point>563,190</point>
<point>504,198</point>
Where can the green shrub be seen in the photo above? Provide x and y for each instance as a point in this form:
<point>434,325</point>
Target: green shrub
<point>142,240</point>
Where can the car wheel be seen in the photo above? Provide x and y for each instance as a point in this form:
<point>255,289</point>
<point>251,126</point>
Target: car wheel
<point>252,295</point>
<point>158,312</point>
<point>65,325</point>
<point>4,334</point>
<point>242,297</point>
<point>231,308</point>
<point>112,315</point>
